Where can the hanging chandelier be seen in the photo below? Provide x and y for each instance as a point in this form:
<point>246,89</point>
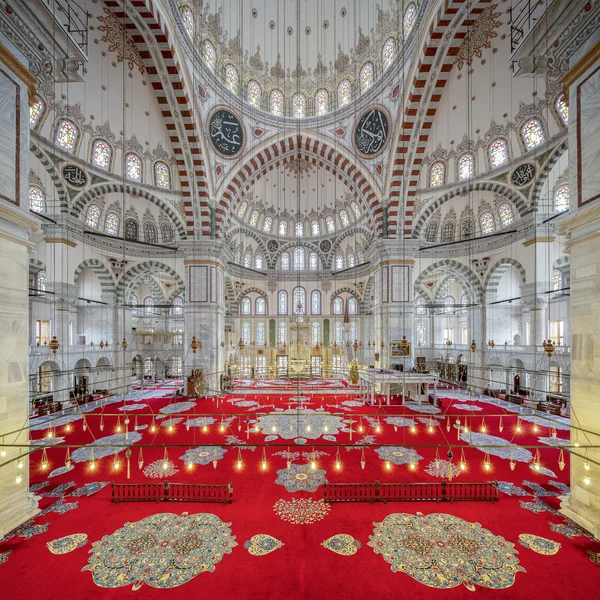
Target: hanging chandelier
<point>194,345</point>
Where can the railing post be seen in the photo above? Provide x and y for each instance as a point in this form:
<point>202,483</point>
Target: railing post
<point>165,491</point>
<point>444,497</point>
<point>377,491</point>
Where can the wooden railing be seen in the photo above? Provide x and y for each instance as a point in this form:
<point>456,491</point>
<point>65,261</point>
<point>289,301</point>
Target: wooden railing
<point>443,491</point>
<point>172,492</point>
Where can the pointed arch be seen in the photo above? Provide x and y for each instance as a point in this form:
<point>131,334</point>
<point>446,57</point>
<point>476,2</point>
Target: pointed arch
<point>492,279</point>
<point>469,281</point>
<point>130,278</point>
<point>102,272</point>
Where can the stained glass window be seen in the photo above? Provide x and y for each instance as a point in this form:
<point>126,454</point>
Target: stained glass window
<point>330,224</point>
<point>338,334</point>
<point>498,153</point>
<point>299,229</point>
<point>437,174</point>
<point>261,306</point>
<point>92,216</point>
<point>409,19</point>
<point>258,262</point>
<point>361,257</point>
<point>246,333</point>
<point>466,167</point>
<point>35,112</point>
<point>131,230</point>
<point>420,334</point>
<point>315,333</point>
<point>246,306</point>
<point>339,261</point>
<point>254,93</point>
<point>285,261</point>
<point>177,305</point>
<point>467,229</point>
<point>41,281</point>
<point>464,299</point>
<point>299,104</point>
<point>366,77</point>
<point>350,260</point>
<point>150,233</point>
<point>268,224</point>
<point>315,302</point>
<point>355,209</point>
<point>561,199</point>
<point>420,306</point>
<point>277,103</point>
<point>111,224</point>
<point>352,306</point>
<point>162,175</point>
<point>563,109</point>
<point>237,257</point>
<point>505,212</point>
<point>37,200</point>
<point>283,226</point>
<point>431,233</point>
<point>344,93</point>
<point>133,167</point>
<point>315,227</point>
<point>313,261</point>
<point>149,305</point>
<point>486,220</point>
<point>242,209</point>
<point>299,259</point>
<point>254,217</point>
<point>299,296</point>
<point>387,54</point>
<point>337,306</point>
<point>133,300</point>
<point>188,21</point>
<point>557,280</point>
<point>448,231</point>
<point>321,102</point>
<point>247,260</point>
<point>167,233</point>
<point>260,334</point>
<point>210,56</point>
<point>533,134</point>
<point>449,305</point>
<point>282,333</point>
<point>344,218</point>
<point>101,154</point>
<point>282,302</point>
<point>66,135</point>
<point>231,78</point>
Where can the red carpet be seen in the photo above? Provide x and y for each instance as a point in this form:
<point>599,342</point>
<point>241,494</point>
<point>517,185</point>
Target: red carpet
<point>302,567</point>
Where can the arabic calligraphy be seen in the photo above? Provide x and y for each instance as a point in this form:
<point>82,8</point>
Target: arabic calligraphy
<point>75,176</point>
<point>371,132</point>
<point>523,174</point>
<point>226,133</point>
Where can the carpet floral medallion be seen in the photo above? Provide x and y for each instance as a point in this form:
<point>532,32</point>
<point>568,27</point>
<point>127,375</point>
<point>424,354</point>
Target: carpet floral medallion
<point>164,551</point>
<point>301,478</point>
<point>306,422</point>
<point>261,544</point>
<point>160,468</point>
<point>203,455</point>
<point>342,543</point>
<point>539,544</point>
<point>398,455</point>
<point>68,543</point>
<point>443,551</point>
<point>442,468</point>
<point>301,511</point>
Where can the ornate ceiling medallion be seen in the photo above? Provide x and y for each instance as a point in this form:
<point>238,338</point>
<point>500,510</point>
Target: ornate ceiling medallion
<point>226,132</point>
<point>371,131</point>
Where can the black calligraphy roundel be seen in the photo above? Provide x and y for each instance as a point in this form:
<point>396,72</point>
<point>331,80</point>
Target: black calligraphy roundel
<point>226,132</point>
<point>372,131</point>
<point>75,176</point>
<point>523,174</point>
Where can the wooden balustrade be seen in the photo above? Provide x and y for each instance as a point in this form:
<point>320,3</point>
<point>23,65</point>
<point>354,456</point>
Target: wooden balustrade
<point>172,492</point>
<point>443,491</point>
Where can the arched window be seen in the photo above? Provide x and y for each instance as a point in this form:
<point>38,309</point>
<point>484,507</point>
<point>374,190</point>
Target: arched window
<point>149,305</point>
<point>467,229</point>
<point>352,306</point>
<point>35,112</point>
<point>188,21</point>
<point>315,227</point>
<point>150,233</point>
<point>285,261</point>
<point>344,218</point>
<point>237,257</point>
<point>299,259</point>
<point>299,229</point>
<point>37,200</point>
<point>562,109</point>
<point>131,230</point>
<point>449,303</point>
<point>360,257</point>
<point>420,308</point>
<point>101,154</point>
<point>337,307</point>
<point>254,218</point>
<point>133,300</point>
<point>247,260</point>
<point>466,167</point>
<point>167,233</point>
<point>339,261</point>
<point>283,227</point>
<point>505,212</point>
<point>246,306</point>
<point>315,333</point>
<point>209,54</point>
<point>448,231</point>
<point>344,93</point>
<point>282,333</point>
<point>277,103</point>
<point>246,333</point>
<point>260,334</point>
<point>133,167</point>
<point>92,216</point>
<point>355,209</point>
<point>420,334</point>
<point>177,306</point>
<point>231,78</point>
<point>437,174</point>
<point>66,135</point>
<point>258,261</point>
<point>254,93</point>
<point>533,134</point>
<point>242,209</point>
<point>321,102</point>
<point>299,295</point>
<point>366,77</point>
<point>315,302</point>
<point>410,17</point>
<point>464,300</point>
<point>557,280</point>
<point>388,52</point>
<point>268,224</point>
<point>299,104</point>
<point>486,220</point>
<point>41,282</point>
<point>313,261</point>
<point>282,303</point>
<point>261,306</point>
<point>498,153</point>
<point>330,224</point>
<point>162,175</point>
<point>338,334</point>
<point>350,260</point>
<point>431,233</point>
<point>560,201</point>
<point>111,224</point>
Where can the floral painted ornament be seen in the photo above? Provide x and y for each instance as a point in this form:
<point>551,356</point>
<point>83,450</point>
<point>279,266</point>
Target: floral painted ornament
<point>4,556</point>
<point>343,544</point>
<point>164,550</point>
<point>68,543</point>
<point>444,551</point>
<point>298,478</point>
<point>539,544</point>
<point>160,468</point>
<point>594,557</point>
<point>301,511</point>
<point>262,544</point>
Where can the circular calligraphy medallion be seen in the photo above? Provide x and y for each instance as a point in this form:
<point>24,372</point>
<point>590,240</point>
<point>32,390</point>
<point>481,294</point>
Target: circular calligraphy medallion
<point>75,176</point>
<point>325,246</point>
<point>226,132</point>
<point>523,174</point>
<point>372,131</point>
<point>272,245</point>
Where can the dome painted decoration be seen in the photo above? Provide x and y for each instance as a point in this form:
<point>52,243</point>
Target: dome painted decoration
<point>372,131</point>
<point>226,132</point>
